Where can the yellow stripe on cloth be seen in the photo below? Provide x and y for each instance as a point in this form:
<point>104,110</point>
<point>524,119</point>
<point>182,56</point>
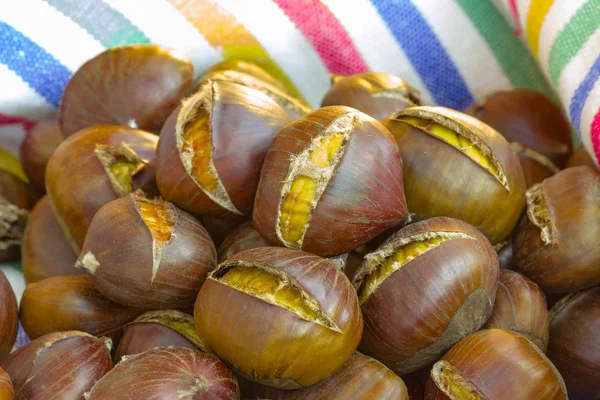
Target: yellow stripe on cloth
<point>10,163</point>
<point>226,34</point>
<point>536,15</point>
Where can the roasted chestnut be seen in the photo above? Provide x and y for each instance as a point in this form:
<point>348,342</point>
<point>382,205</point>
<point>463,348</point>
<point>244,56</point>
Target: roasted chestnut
<point>167,373</point>
<point>9,316</point>
<point>16,191</point>
<point>136,86</point>
<point>66,303</point>
<point>147,253</point>
<point>211,149</point>
<point>7,391</point>
<point>428,286</point>
<point>245,67</point>
<point>45,251</point>
<point>495,364</point>
<point>58,366</point>
<point>331,181</point>
<point>360,378</point>
<point>529,118</point>
<point>36,149</point>
<point>159,328</point>
<point>574,345</point>
<point>556,242</point>
<point>505,253</point>
<point>243,238</point>
<point>91,168</point>
<point>294,107</point>
<point>456,166</point>
<point>280,317</point>
<point>581,157</point>
<point>220,228</point>
<point>520,307</point>
<point>376,94</point>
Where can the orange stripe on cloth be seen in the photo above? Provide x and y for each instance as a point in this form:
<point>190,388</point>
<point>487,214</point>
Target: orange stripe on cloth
<point>538,9</point>
<point>231,38</point>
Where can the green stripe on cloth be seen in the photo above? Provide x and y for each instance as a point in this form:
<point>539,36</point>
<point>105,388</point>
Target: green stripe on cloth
<point>513,56</point>
<point>573,36</point>
<point>103,22</point>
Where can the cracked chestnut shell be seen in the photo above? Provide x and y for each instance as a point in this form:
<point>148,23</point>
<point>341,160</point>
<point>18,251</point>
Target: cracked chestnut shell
<point>68,303</point>
<point>335,167</point>
<point>360,378</point>
<point>7,391</point>
<point>377,94</point>
<point>16,199</point>
<point>456,166</point>
<point>520,307</point>
<point>529,118</point>
<point>159,328</point>
<point>536,167</point>
<point>245,67</point>
<point>293,106</point>
<point>136,86</point>
<point>556,242</point>
<point>58,366</point>
<point>37,147</point>
<point>91,168</point>
<point>45,251</point>
<point>428,286</point>
<point>211,149</point>
<point>9,316</point>
<point>147,253</point>
<point>245,237</point>
<point>574,345</point>
<point>167,373</point>
<point>280,317</point>
<point>495,364</point>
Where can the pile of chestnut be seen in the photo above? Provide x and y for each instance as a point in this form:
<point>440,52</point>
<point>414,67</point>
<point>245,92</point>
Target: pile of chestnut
<point>218,239</point>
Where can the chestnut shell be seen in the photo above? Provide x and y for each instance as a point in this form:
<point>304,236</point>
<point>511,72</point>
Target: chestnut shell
<point>9,316</point>
<point>136,86</point>
<point>36,149</point>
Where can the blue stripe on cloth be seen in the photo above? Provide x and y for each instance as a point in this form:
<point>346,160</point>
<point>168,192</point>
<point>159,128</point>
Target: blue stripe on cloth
<point>582,93</point>
<point>39,69</point>
<point>426,53</point>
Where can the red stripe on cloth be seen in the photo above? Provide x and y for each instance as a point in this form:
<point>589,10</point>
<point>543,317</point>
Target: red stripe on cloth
<point>9,120</point>
<point>326,35</point>
<point>595,133</point>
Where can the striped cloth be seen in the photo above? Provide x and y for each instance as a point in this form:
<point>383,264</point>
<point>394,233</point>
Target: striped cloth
<point>454,51</point>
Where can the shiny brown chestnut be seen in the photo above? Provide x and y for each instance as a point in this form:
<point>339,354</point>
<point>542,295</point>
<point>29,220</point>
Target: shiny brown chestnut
<point>147,253</point>
<point>91,168</point>
<point>67,303</point>
<point>136,86</point>
<point>9,316</point>
<point>36,149</point>
<point>45,251</point>
<point>248,68</point>
<point>529,118</point>
<point>331,181</point>
<point>428,286</point>
<point>159,328</point>
<point>495,364</point>
<point>167,373</point>
<point>294,107</point>
<point>58,366</point>
<point>280,317</point>
<point>211,149</point>
<point>245,237</point>
<point>377,94</point>
<point>220,228</point>
<point>505,253</point>
<point>574,345</point>
<point>360,378</point>
<point>520,307</point>
<point>581,157</point>
<point>556,242</point>
<point>456,166</point>
<point>7,391</point>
